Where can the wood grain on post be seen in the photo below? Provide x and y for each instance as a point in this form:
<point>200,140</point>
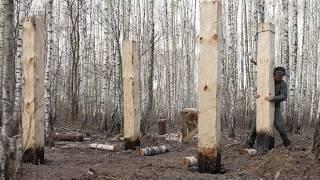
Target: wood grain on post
<point>265,87</point>
<point>34,43</point>
<point>209,153</point>
<point>132,117</point>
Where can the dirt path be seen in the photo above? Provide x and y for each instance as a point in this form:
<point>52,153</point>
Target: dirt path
<point>73,160</point>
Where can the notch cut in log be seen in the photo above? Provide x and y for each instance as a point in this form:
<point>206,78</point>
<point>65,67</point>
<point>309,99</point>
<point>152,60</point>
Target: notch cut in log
<point>209,128</point>
<point>33,133</point>
<point>150,151</point>
<point>265,87</point>
<point>131,101</point>
<point>68,137</point>
<point>104,147</point>
<point>250,152</point>
<point>162,129</point>
<point>189,161</point>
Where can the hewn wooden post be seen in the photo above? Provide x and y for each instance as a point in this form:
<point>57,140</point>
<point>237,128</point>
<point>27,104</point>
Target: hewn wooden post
<point>34,43</point>
<point>131,101</point>
<point>209,153</point>
<point>265,87</point>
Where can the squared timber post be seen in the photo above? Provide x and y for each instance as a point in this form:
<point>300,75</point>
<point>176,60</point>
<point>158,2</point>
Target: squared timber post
<point>209,152</point>
<point>265,87</point>
<point>131,102</point>
<point>34,43</point>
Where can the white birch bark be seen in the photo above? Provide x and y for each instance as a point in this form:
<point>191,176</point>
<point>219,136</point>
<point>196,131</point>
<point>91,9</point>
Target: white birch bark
<point>18,71</point>
<point>48,115</point>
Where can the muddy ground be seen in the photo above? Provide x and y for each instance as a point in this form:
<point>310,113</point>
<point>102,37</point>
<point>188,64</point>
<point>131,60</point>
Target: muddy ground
<point>74,160</point>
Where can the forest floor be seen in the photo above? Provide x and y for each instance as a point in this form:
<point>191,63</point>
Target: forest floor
<point>74,160</point>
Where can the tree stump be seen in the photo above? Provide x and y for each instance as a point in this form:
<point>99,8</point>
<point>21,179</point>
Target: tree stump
<point>162,126</point>
<point>189,118</point>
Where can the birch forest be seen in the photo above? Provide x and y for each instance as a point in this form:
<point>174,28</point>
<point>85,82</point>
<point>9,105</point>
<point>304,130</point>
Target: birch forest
<point>83,85</point>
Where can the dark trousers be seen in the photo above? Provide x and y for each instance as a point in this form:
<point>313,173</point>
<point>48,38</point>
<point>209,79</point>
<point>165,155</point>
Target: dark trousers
<point>278,123</point>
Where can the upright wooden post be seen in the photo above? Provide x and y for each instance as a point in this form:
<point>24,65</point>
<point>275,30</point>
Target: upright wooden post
<point>209,153</point>
<point>131,101</point>
<point>34,43</point>
<point>265,87</point>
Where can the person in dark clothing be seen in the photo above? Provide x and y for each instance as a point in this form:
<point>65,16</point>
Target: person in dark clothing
<point>280,95</point>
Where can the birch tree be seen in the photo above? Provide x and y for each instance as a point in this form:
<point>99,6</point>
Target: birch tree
<point>47,95</point>
<point>7,58</point>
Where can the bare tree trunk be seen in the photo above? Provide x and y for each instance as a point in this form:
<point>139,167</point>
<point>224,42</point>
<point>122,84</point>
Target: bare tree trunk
<point>316,141</point>
<point>7,58</point>
<point>7,55</point>
<point>145,124</point>
<point>18,71</point>
<point>293,68</point>
<point>232,70</point>
<point>47,96</point>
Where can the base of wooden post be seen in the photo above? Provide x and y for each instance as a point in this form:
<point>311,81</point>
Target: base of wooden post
<point>265,142</point>
<point>209,160</point>
<point>34,156</point>
<point>129,143</point>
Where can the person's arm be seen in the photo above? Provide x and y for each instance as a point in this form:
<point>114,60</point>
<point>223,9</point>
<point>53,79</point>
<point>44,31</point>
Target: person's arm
<point>283,93</point>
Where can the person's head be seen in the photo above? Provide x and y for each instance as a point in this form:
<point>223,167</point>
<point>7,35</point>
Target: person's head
<point>278,73</point>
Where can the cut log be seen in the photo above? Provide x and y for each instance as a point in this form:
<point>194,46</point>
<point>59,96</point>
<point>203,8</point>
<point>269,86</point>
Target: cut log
<point>189,118</point>
<point>104,147</point>
<point>162,123</point>
<point>209,153</point>
<point>68,137</point>
<point>190,135</point>
<point>33,133</point>
<point>171,137</point>
<point>189,161</point>
<point>265,87</point>
<point>250,152</point>
<point>150,151</point>
<point>131,101</point>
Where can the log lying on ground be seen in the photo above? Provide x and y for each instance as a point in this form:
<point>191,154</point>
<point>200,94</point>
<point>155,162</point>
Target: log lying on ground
<point>189,161</point>
<point>68,137</point>
<point>171,137</point>
<point>149,151</point>
<point>104,147</point>
<point>250,152</point>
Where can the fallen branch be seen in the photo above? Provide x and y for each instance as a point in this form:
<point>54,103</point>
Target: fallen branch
<point>149,151</point>
<point>68,137</point>
<point>189,161</point>
<point>104,147</point>
<point>250,152</point>
<point>99,174</point>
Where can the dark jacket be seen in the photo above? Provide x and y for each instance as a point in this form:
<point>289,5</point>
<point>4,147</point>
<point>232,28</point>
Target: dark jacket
<point>281,92</point>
